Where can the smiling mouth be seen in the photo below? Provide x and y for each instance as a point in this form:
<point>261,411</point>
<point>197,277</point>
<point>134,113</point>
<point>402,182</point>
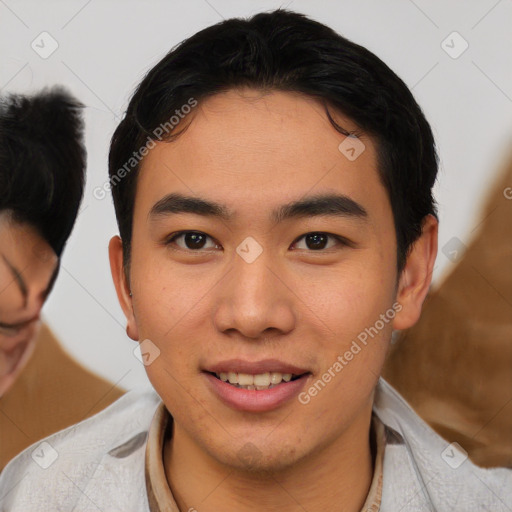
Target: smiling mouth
<point>256,382</point>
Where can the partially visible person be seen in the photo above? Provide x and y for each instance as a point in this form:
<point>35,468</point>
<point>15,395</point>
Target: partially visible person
<point>42,174</point>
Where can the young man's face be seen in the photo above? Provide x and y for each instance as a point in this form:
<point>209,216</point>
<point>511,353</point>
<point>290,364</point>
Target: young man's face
<point>27,267</point>
<point>254,293</point>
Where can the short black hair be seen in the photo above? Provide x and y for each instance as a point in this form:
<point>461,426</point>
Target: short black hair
<point>42,162</point>
<point>287,51</point>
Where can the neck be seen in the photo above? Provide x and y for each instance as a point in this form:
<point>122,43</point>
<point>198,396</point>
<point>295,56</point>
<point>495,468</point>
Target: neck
<point>336,477</point>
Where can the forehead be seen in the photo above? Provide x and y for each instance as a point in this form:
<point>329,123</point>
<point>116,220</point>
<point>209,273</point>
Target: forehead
<point>22,242</point>
<point>249,146</point>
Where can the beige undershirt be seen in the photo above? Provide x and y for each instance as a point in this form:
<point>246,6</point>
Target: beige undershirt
<point>160,496</point>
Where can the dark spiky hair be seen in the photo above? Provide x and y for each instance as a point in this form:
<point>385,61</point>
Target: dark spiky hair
<point>287,51</point>
<point>42,162</point>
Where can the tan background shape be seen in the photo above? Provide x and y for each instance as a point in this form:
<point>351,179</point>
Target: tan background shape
<point>455,365</point>
<point>52,393</point>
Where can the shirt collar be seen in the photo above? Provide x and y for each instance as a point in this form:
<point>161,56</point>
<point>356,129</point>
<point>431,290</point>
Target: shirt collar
<point>160,497</point>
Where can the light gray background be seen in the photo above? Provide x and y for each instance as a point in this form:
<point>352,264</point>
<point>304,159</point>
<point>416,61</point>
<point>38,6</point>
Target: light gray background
<point>105,48</point>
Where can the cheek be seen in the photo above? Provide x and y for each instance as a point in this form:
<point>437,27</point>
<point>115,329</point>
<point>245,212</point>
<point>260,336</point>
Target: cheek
<point>354,311</point>
<point>169,308</point>
<point>159,294</point>
<point>11,300</point>
<point>346,300</point>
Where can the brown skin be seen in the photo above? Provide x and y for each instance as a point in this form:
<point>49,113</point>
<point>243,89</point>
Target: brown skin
<point>27,264</point>
<point>253,152</point>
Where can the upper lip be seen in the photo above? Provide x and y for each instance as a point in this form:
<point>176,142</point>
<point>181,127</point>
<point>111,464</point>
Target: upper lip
<point>255,367</point>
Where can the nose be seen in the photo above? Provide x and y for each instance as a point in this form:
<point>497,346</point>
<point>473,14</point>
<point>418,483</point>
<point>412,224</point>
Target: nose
<point>253,300</point>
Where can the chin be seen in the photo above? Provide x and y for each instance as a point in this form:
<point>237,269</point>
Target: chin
<point>7,380</point>
<point>252,460</point>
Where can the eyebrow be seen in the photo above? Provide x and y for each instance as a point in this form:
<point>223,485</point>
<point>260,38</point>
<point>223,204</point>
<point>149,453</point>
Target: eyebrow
<point>335,205</point>
<point>22,285</point>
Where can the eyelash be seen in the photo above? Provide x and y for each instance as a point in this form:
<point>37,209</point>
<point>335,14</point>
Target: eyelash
<point>341,240</point>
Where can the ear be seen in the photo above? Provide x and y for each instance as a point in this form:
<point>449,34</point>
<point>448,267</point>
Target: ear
<point>115,253</point>
<point>416,276</point>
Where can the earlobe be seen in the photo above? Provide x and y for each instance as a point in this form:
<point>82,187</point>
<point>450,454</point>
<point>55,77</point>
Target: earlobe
<point>416,276</point>
<point>124,294</point>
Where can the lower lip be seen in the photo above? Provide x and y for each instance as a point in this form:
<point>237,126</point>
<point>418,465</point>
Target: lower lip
<point>253,400</point>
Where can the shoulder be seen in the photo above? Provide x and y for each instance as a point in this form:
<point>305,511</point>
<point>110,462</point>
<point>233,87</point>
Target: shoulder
<point>99,458</point>
<point>423,471</point>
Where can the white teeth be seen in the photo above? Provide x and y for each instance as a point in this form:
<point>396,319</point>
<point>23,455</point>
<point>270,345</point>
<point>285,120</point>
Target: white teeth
<point>276,377</point>
<point>260,381</point>
<point>245,379</point>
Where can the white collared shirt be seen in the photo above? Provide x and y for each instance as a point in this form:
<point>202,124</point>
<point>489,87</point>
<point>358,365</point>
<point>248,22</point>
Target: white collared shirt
<point>100,464</point>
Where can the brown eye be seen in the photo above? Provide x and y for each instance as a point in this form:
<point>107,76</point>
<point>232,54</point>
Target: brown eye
<point>192,240</point>
<point>317,241</point>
